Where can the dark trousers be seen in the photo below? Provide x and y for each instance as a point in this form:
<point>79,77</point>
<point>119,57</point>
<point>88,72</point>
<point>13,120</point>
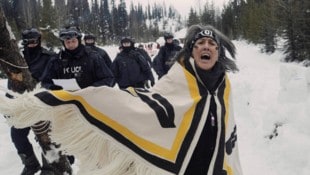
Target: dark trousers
<point>20,139</point>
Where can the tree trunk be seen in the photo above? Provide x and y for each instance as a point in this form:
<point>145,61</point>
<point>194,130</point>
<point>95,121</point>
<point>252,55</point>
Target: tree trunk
<point>11,61</point>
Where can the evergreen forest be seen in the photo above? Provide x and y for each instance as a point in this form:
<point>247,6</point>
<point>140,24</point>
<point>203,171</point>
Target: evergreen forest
<point>283,24</point>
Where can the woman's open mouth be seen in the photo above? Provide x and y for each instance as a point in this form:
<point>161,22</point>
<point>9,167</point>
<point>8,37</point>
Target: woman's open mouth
<point>205,57</point>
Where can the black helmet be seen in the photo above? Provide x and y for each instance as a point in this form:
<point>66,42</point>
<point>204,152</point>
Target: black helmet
<point>70,32</point>
<point>31,36</point>
<point>168,36</point>
<point>32,33</point>
<point>127,39</point>
<point>89,36</point>
<point>140,46</point>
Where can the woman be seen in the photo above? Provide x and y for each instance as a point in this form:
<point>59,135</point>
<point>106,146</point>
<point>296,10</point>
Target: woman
<point>183,125</point>
<point>204,56</point>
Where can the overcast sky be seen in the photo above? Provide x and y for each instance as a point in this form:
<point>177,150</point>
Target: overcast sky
<point>183,6</point>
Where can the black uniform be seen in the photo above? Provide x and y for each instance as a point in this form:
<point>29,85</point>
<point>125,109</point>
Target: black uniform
<point>130,68</point>
<point>19,136</point>
<point>103,54</point>
<point>37,58</point>
<point>83,64</point>
<point>145,55</point>
<point>165,58</point>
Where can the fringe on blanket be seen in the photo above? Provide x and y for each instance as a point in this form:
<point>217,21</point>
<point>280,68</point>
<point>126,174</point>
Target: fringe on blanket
<point>97,152</point>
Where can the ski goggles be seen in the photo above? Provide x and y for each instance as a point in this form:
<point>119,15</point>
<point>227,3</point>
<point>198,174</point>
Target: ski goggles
<point>31,33</point>
<point>30,41</point>
<point>65,35</point>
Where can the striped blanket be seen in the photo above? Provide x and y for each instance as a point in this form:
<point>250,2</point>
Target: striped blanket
<point>123,132</point>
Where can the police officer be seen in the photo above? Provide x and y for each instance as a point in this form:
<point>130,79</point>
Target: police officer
<point>165,57</point>
<point>130,68</point>
<point>90,40</point>
<point>78,62</point>
<point>37,59</point>
<point>35,55</point>
<point>145,55</point>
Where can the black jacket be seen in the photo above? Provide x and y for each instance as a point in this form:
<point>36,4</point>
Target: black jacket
<point>37,59</point>
<point>131,69</point>
<point>145,56</point>
<point>84,65</point>
<point>165,58</point>
<point>103,54</point>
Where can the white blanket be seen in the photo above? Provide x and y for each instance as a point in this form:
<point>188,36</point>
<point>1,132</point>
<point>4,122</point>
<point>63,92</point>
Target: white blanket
<point>115,132</point>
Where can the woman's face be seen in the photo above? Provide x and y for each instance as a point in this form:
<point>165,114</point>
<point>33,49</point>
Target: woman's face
<point>205,53</point>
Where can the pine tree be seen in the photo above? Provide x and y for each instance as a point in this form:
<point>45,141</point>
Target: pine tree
<point>47,15</point>
<point>72,11</point>
<point>171,12</point>
<point>296,25</point>
<point>149,14</point>
<point>269,26</point>
<point>252,21</point>
<point>84,15</point>
<point>232,23</point>
<point>94,19</point>
<point>23,13</point>
<point>61,13</point>
<point>7,8</point>
<point>208,15</point>
<point>192,18</point>
<point>142,23</point>
<point>228,21</point>
<point>133,22</point>
<point>115,17</point>
<point>123,18</point>
<point>106,20</point>
<point>35,10</point>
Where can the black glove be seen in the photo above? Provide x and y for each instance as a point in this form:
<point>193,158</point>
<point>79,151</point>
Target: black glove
<point>55,87</point>
<point>9,95</point>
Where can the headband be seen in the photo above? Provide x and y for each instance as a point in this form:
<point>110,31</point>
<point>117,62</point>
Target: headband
<point>204,33</point>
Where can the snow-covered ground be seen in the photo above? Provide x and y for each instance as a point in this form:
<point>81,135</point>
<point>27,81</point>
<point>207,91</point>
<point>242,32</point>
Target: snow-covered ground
<point>272,109</point>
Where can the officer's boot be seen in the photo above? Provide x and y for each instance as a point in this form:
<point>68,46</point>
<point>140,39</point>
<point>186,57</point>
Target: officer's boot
<point>46,169</point>
<point>58,167</point>
<point>54,162</point>
<point>31,164</point>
